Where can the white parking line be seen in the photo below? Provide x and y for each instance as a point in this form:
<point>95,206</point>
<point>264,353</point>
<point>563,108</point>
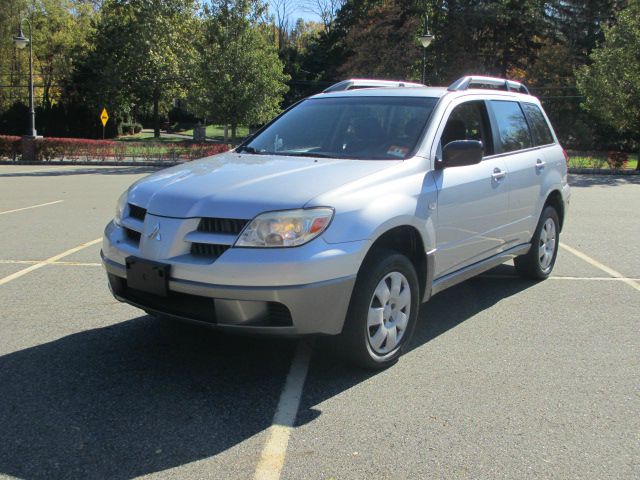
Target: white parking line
<point>32,206</point>
<point>48,261</point>
<point>600,266</point>
<point>275,449</point>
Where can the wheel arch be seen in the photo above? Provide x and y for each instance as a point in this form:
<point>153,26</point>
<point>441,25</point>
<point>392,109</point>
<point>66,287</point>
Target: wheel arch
<point>554,199</point>
<point>407,240</point>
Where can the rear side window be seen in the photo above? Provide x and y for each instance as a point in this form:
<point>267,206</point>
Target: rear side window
<point>512,125</point>
<point>539,127</point>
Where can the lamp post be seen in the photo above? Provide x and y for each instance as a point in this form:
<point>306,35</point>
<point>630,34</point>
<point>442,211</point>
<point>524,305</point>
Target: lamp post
<point>425,40</point>
<point>22,42</point>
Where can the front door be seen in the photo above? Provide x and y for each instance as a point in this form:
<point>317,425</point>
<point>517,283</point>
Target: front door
<point>472,200</point>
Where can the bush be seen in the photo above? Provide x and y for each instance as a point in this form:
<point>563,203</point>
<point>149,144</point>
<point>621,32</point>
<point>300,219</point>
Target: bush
<point>10,147</point>
<point>617,160</point>
<point>51,148</point>
<point>137,127</point>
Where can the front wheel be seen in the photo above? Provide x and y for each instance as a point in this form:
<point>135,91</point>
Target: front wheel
<point>539,262</point>
<point>383,311</point>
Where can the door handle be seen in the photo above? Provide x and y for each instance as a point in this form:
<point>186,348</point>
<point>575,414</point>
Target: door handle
<point>540,164</point>
<point>498,174</point>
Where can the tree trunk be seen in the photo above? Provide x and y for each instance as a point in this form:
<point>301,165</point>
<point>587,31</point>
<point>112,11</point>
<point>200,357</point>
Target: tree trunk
<point>638,164</point>
<point>156,113</point>
<point>226,133</point>
<point>234,128</point>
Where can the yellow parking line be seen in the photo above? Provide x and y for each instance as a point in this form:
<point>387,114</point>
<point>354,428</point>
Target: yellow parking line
<point>32,206</point>
<point>275,449</point>
<point>597,279</point>
<point>560,277</point>
<point>32,262</point>
<point>600,266</point>
<point>48,261</point>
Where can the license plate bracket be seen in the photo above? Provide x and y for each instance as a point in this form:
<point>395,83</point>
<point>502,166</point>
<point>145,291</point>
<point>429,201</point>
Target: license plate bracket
<point>148,276</point>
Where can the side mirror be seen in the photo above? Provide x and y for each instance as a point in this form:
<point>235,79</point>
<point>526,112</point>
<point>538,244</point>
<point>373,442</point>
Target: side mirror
<point>461,152</point>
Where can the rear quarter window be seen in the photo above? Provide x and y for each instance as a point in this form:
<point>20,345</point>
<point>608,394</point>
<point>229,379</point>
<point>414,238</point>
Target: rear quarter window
<point>513,129</point>
<point>539,127</point>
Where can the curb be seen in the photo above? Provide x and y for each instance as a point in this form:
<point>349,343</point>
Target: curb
<point>164,164</point>
<point>602,171</point>
<point>104,164</point>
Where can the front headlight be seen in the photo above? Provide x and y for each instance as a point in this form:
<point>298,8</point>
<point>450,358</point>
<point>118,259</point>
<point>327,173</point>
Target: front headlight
<point>288,228</point>
<point>120,207</point>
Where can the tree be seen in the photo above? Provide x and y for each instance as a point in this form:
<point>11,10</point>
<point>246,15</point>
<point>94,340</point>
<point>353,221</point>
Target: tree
<point>383,43</point>
<point>241,78</point>
<point>61,28</point>
<point>142,55</point>
<point>611,84</point>
<point>12,67</point>
<point>282,9</point>
<point>578,24</point>
<point>325,9</point>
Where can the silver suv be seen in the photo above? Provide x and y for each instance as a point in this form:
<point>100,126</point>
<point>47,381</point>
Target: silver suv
<point>345,213</point>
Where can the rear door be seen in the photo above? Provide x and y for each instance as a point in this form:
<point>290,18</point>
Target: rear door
<point>524,165</point>
<point>472,200</point>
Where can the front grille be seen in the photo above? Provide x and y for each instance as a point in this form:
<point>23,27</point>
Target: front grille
<point>132,235</point>
<point>208,250</point>
<point>137,212</point>
<point>222,225</point>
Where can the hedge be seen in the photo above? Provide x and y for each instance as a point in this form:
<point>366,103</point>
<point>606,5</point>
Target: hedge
<point>10,147</point>
<point>80,149</point>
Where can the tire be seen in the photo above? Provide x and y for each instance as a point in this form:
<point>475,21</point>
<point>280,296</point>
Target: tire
<point>380,344</point>
<point>539,262</point>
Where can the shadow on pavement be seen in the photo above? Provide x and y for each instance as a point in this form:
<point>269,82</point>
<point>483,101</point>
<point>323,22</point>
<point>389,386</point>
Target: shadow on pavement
<point>586,180</point>
<point>50,172</point>
<point>446,310</point>
<point>147,395</point>
<point>137,397</point>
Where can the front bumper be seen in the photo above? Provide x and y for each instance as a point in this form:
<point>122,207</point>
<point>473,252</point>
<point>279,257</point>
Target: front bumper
<point>315,308</point>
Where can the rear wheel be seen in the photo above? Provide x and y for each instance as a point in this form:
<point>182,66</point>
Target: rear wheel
<point>539,262</point>
<point>383,311</point>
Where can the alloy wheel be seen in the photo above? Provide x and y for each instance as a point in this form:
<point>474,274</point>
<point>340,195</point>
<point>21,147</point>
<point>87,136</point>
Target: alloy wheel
<point>547,246</point>
<point>389,312</point>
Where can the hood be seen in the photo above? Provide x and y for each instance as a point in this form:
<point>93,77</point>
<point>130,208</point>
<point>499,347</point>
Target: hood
<point>232,185</point>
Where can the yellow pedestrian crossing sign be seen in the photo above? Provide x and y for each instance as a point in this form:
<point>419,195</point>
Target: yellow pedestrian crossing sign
<point>104,117</point>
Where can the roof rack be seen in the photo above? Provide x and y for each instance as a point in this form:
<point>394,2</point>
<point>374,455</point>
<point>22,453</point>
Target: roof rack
<point>474,81</point>
<point>356,83</point>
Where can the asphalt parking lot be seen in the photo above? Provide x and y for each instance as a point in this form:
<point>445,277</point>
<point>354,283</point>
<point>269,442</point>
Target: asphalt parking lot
<point>505,379</point>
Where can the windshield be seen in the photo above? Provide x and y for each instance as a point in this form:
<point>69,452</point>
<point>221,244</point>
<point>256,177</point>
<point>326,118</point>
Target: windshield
<point>347,127</point>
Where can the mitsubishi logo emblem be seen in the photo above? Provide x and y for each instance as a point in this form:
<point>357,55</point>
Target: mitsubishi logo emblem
<point>155,232</point>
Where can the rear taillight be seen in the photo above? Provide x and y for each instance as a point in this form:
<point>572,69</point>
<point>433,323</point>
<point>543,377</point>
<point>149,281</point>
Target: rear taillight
<point>566,156</point>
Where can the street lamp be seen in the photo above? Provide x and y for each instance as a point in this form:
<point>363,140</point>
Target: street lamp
<point>425,40</point>
<point>22,42</point>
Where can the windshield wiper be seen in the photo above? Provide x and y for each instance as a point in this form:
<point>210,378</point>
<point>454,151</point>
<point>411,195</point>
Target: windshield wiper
<point>305,154</point>
<point>248,150</point>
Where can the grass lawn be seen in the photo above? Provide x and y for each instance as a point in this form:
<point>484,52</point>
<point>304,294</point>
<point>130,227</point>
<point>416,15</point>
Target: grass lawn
<point>584,160</point>
<point>147,137</point>
<point>217,132</point>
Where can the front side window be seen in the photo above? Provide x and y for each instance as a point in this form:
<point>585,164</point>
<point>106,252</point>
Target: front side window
<point>347,127</point>
<point>512,126</point>
<point>539,127</point>
<point>469,121</point>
